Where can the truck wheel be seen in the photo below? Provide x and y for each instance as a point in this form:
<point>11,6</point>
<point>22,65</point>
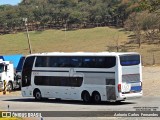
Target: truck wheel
<point>9,86</point>
<point>37,95</point>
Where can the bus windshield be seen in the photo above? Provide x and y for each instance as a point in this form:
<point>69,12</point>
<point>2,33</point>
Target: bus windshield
<point>1,68</point>
<point>127,60</point>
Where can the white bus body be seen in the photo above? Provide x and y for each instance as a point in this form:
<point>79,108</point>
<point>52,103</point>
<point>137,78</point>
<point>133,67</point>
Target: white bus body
<point>83,76</point>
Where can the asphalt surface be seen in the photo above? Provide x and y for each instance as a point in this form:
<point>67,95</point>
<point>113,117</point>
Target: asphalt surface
<point>18,103</point>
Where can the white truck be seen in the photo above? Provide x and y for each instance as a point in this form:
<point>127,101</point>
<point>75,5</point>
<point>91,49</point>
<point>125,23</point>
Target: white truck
<point>7,74</point>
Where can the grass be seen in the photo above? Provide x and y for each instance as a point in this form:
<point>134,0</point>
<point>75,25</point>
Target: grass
<point>87,40</point>
<point>96,39</point>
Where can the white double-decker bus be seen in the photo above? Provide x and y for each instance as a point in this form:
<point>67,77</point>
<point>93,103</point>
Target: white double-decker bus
<point>100,76</point>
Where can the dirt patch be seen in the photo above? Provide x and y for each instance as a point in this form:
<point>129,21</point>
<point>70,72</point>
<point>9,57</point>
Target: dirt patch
<point>12,93</point>
<point>151,81</point>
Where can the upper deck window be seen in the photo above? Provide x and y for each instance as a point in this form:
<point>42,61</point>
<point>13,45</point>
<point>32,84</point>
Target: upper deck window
<point>127,60</point>
<point>76,61</point>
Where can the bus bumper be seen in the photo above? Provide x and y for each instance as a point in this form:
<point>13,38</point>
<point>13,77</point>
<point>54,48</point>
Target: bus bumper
<point>130,96</point>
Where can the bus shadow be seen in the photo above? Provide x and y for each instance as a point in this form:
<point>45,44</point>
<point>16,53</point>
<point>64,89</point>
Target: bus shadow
<point>69,102</point>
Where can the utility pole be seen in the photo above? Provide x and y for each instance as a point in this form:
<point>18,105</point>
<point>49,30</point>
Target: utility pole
<point>117,42</point>
<point>29,44</point>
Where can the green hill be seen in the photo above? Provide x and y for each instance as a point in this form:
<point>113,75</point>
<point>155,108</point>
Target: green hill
<point>87,40</point>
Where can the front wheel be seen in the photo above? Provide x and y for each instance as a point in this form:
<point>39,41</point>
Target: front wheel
<point>9,86</point>
<point>38,95</point>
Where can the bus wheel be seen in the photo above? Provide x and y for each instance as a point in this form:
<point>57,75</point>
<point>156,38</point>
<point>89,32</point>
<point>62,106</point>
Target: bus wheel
<point>37,95</point>
<point>86,97</point>
<point>96,97</point>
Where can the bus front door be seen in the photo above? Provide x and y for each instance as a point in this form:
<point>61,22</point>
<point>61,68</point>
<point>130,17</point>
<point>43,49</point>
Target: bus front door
<point>76,80</point>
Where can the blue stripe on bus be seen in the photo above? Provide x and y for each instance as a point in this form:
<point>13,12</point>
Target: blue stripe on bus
<point>136,88</point>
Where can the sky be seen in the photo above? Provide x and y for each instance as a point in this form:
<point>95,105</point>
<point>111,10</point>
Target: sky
<point>10,2</point>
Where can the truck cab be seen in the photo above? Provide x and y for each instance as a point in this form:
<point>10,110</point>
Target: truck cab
<point>7,74</point>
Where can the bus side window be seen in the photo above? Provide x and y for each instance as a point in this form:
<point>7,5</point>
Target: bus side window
<point>100,61</point>
<point>110,62</point>
<point>53,62</point>
<point>41,61</point>
<point>63,62</point>
<point>76,62</point>
<point>89,62</point>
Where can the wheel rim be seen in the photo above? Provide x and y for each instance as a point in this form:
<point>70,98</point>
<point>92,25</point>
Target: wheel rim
<point>38,95</point>
<point>86,97</point>
<point>97,98</point>
<point>9,87</point>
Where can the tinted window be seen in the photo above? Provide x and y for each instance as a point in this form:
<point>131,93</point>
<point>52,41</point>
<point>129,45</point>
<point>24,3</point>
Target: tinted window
<point>89,62</point>
<point>64,62</point>
<point>48,61</point>
<point>85,62</point>
<point>127,60</point>
<point>26,72</point>
<point>76,62</point>
<point>42,61</point>
<point>1,68</point>
<point>109,62</point>
<point>53,62</point>
<point>99,62</point>
<point>20,64</point>
<point>58,81</point>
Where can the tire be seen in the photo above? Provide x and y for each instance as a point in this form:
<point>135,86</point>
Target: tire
<point>9,86</point>
<point>118,102</point>
<point>86,97</point>
<point>45,98</point>
<point>96,97</point>
<point>38,95</point>
<point>58,99</point>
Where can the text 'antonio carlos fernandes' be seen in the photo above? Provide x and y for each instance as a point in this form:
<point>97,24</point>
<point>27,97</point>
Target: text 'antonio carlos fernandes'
<point>136,114</point>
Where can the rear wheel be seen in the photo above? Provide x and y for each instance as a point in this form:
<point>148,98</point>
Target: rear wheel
<point>96,97</point>
<point>118,102</point>
<point>86,97</point>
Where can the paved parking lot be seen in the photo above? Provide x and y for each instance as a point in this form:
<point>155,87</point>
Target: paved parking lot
<point>151,99</point>
<point>18,103</point>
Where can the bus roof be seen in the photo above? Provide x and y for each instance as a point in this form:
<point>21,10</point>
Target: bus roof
<point>82,54</point>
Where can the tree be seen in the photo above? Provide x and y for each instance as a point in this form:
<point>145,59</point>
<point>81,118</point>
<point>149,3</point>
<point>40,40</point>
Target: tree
<point>49,13</point>
<point>151,5</point>
<point>134,22</point>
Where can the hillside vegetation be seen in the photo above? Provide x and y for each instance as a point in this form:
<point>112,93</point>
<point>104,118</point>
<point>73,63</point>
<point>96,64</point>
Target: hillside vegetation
<point>82,25</point>
<point>88,40</point>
